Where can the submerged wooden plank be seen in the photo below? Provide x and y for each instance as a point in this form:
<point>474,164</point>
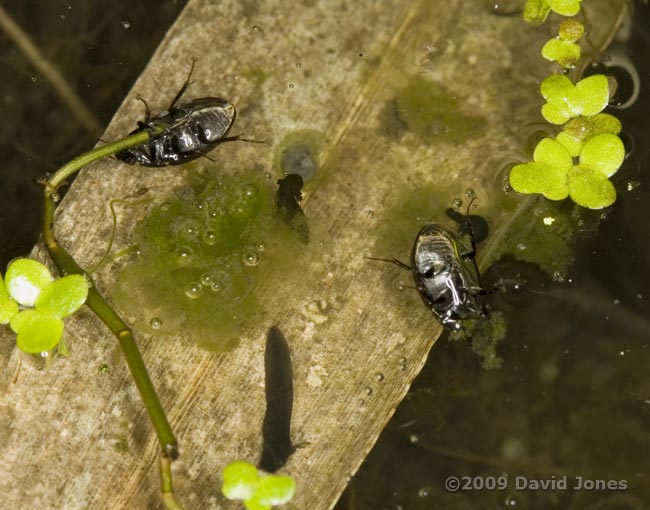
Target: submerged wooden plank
<point>363,75</point>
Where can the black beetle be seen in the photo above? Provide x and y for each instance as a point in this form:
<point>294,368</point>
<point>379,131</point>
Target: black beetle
<point>446,276</point>
<point>190,130</point>
<point>445,273</point>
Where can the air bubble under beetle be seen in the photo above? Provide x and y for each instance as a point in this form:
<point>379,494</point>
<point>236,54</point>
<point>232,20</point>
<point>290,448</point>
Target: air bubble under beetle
<point>445,272</point>
<point>189,131</point>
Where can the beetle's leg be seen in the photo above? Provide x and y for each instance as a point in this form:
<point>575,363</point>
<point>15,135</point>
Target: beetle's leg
<point>184,87</point>
<point>240,138</point>
<point>147,114</point>
<point>395,261</point>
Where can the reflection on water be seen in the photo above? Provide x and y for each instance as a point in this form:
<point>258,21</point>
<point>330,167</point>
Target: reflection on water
<point>570,407</point>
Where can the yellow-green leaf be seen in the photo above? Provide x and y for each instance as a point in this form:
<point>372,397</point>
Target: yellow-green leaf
<point>64,296</point>
<point>543,178</point>
<point>604,153</point>
<point>25,279</point>
<point>590,188</point>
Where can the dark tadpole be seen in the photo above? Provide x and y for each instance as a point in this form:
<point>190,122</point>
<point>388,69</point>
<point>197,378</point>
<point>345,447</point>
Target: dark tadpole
<point>287,204</point>
<point>276,430</point>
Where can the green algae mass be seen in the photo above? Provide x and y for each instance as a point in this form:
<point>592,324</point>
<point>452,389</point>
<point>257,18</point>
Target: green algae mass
<point>201,255</point>
<point>431,112</point>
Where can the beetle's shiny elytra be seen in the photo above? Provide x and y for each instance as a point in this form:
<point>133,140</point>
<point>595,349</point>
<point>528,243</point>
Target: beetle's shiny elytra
<point>185,132</point>
<point>190,131</point>
<point>446,275</point>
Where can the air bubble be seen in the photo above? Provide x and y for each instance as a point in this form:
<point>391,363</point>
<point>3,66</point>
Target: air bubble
<point>511,501</point>
<point>298,65</point>
<point>368,391</point>
<point>291,85</point>
<point>215,287</point>
<point>424,492</point>
<point>256,28</point>
<point>183,253</point>
<point>206,279</point>
<point>457,203</point>
<point>193,290</point>
<point>261,247</point>
<point>155,323</point>
<point>249,191</point>
<point>125,24</point>
<point>251,258</point>
<point>268,175</point>
<point>379,377</point>
<point>210,238</point>
<point>470,193</point>
<point>414,438</point>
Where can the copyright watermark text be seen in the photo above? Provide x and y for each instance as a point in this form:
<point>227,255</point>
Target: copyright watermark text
<point>523,483</point>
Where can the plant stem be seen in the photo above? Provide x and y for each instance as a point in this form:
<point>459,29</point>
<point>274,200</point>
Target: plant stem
<point>67,265</point>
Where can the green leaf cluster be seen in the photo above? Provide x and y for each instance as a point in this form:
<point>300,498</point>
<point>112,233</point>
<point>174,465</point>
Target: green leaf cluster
<point>564,48</point>
<point>582,157</point>
<point>556,174</point>
<point>241,480</point>
<point>536,11</point>
<point>33,303</point>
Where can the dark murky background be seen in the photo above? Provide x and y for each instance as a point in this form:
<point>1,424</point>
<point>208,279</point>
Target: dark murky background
<point>573,395</point>
<point>100,50</point>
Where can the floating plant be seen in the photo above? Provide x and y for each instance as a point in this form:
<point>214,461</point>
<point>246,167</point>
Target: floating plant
<point>241,480</point>
<point>582,157</point>
<point>34,303</point>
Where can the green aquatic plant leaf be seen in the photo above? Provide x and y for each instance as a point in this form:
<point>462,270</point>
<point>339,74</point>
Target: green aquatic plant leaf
<point>564,100</point>
<point>240,480</point>
<point>275,490</point>
<point>25,280</point>
<point>551,152</point>
<point>549,180</point>
<point>37,332</point>
<point>580,129</point>
<point>590,188</point>
<point>571,30</point>
<point>63,297</point>
<point>554,175</point>
<point>565,7</point>
<point>8,307</point>
<point>565,53</point>
<point>604,153</point>
<point>536,11</point>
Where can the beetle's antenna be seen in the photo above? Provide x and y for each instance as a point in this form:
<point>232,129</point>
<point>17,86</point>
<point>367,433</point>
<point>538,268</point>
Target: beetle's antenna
<point>184,87</point>
<point>395,261</point>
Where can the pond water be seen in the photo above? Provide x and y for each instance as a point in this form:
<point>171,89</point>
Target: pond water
<point>571,402</point>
